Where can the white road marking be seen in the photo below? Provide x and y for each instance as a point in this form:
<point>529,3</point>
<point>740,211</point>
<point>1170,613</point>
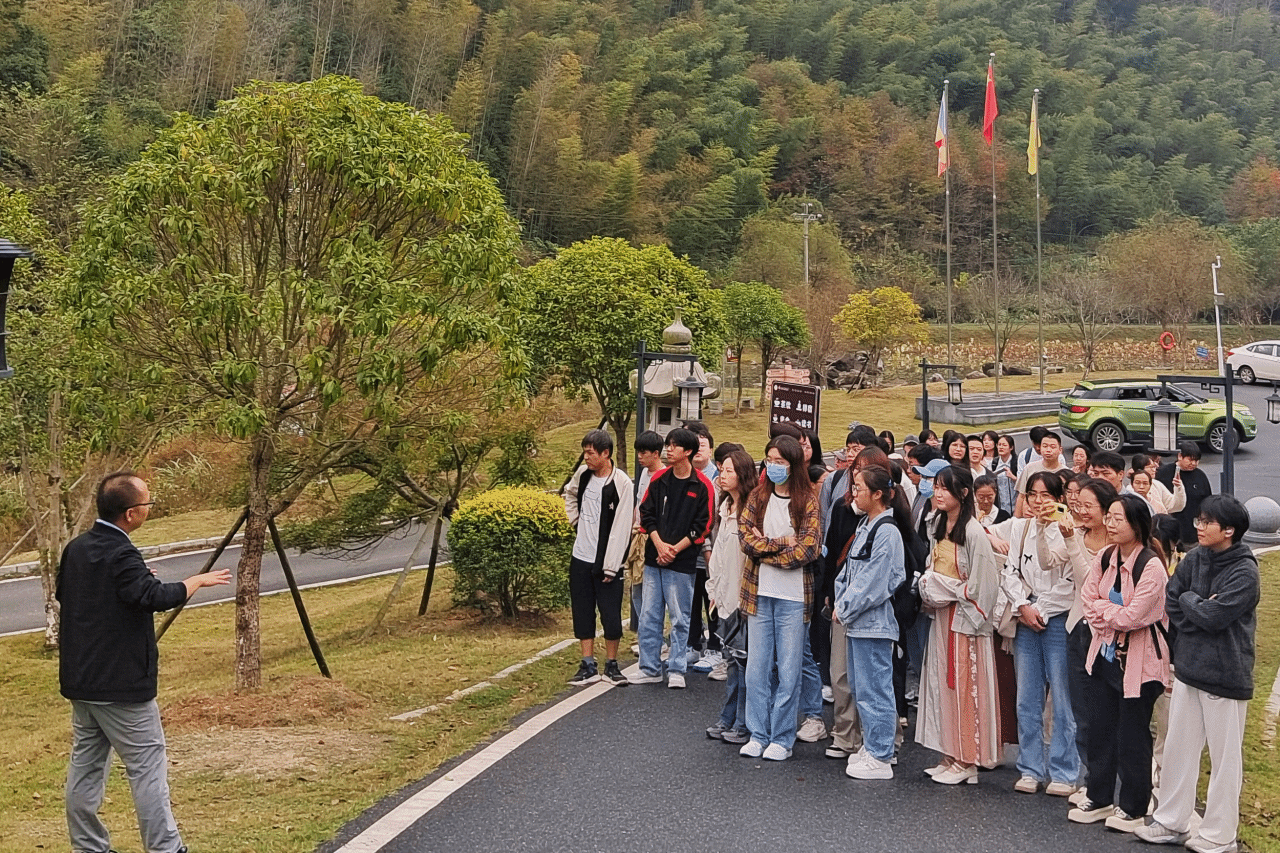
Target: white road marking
<point>335,582</point>
<point>392,824</point>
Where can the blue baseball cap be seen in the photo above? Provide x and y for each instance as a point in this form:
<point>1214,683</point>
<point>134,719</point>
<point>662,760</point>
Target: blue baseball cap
<point>932,469</point>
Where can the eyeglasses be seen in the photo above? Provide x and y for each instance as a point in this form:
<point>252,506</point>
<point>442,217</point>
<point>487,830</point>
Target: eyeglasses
<point>1202,523</point>
<point>855,488</point>
<point>135,506</point>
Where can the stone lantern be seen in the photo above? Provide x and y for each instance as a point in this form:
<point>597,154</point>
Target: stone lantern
<point>675,384</point>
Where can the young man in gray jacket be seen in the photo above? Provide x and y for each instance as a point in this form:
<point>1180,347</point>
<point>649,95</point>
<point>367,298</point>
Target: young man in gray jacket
<point>1211,601</point>
<point>599,501</point>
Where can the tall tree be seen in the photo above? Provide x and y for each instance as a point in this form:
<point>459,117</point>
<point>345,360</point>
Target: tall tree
<point>586,310</point>
<point>1090,305</point>
<point>756,313</point>
<point>881,320</point>
<point>294,266</point>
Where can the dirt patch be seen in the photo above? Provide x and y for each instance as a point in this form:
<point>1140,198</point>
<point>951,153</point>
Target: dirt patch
<point>282,702</point>
<point>302,753</point>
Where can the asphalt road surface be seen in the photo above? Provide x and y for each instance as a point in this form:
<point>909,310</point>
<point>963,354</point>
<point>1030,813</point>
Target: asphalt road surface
<point>22,603</point>
<point>633,771</point>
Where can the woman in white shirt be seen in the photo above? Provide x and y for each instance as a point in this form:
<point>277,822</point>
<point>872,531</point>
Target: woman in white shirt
<point>724,585</point>
<point>1038,581</point>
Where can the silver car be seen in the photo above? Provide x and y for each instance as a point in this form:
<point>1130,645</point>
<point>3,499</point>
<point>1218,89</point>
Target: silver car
<point>1258,360</point>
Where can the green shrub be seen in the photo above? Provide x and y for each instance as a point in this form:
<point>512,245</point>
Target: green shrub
<point>512,546</point>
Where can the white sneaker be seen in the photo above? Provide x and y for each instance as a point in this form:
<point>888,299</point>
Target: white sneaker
<point>828,695</point>
<point>751,749</point>
<point>864,765</point>
<point>706,662</point>
<point>812,730</point>
<point>1078,797</point>
<point>642,677</point>
<point>1059,789</point>
<point>719,672</point>
<point>1027,785</point>
<point>1122,822</point>
<point>691,657</point>
<point>776,752</point>
<point>675,680</point>
<point>1200,845</point>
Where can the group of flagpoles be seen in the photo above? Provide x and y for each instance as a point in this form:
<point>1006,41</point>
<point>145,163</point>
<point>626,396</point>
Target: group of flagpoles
<point>990,110</point>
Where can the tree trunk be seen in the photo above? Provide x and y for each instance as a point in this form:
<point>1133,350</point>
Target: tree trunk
<point>737,407</point>
<point>248,665</point>
<point>44,502</point>
<point>620,424</point>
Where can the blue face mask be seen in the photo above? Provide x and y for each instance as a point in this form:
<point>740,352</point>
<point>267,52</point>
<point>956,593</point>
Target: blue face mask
<point>926,487</point>
<point>777,472</point>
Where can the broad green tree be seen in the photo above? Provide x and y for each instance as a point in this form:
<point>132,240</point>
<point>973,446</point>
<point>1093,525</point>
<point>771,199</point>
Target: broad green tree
<point>756,313</point>
<point>293,268</point>
<point>881,320</point>
<point>585,311</point>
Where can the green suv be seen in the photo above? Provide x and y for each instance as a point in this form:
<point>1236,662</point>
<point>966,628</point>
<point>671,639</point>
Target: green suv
<point>1109,414</point>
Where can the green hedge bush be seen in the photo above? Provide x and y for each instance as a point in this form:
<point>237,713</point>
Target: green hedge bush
<point>513,547</point>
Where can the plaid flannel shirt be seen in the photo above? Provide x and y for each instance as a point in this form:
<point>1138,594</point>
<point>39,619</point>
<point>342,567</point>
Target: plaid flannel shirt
<point>796,552</point>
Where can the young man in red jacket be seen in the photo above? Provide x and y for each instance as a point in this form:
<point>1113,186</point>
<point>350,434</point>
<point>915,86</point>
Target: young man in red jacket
<point>676,515</point>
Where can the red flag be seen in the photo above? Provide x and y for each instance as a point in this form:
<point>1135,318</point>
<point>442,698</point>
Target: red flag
<point>992,110</point>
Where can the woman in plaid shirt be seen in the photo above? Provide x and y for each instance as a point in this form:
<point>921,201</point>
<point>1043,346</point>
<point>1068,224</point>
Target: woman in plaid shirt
<point>780,535</point>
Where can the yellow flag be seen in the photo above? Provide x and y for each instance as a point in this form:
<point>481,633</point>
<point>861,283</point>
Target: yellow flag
<point>1033,142</point>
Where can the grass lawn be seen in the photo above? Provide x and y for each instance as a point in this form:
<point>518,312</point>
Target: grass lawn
<point>281,771</point>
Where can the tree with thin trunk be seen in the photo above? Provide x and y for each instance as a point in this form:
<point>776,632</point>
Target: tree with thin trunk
<point>585,311</point>
<point>1003,305</point>
<point>881,320</point>
<point>1092,308</point>
<point>756,313</point>
<point>292,267</point>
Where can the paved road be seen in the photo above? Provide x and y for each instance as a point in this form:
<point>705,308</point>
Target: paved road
<point>633,771</point>
<point>22,603</point>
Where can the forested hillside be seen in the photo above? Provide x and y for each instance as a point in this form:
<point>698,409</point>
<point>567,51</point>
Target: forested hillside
<point>680,121</point>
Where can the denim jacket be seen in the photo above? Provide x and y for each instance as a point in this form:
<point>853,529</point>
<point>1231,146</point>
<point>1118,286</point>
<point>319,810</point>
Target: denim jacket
<point>864,587</point>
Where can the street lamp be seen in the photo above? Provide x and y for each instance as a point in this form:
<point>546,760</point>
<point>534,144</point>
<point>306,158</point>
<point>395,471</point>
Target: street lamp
<point>690,396</point>
<point>9,252</point>
<point>1273,405</point>
<point>954,396</point>
<point>1164,426</point>
<point>925,367</point>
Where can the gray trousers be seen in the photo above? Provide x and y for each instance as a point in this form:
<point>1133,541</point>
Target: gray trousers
<point>134,732</point>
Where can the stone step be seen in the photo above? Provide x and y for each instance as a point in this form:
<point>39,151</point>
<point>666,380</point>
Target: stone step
<point>981,409</point>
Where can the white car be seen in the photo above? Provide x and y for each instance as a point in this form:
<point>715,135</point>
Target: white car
<point>1258,360</point>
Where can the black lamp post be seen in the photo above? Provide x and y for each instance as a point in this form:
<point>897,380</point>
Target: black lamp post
<point>9,252</point>
<point>953,391</point>
<point>1227,383</point>
<point>1164,426</point>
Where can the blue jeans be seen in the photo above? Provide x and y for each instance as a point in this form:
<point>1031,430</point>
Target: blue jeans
<point>665,591</point>
<point>870,662</point>
<point>777,633</point>
<point>734,713</point>
<point>1040,658</point>
<point>810,681</point>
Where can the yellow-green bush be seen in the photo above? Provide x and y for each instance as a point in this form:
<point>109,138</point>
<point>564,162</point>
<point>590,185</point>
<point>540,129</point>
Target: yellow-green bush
<point>512,545</point>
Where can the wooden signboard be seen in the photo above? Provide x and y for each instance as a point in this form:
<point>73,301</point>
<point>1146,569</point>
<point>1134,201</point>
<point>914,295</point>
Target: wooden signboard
<point>797,404</point>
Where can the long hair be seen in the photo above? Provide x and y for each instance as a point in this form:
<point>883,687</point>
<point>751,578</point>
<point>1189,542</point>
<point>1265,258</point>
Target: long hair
<point>797,478</point>
<point>957,482</point>
<point>1138,515</point>
<point>744,468</point>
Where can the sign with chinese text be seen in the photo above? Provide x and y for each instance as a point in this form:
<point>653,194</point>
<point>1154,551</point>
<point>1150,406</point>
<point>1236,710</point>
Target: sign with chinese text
<point>797,404</point>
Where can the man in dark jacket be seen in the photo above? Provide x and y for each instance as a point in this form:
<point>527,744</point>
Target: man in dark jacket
<point>1194,481</point>
<point>676,515</point>
<point>108,668</point>
<point>1211,601</point>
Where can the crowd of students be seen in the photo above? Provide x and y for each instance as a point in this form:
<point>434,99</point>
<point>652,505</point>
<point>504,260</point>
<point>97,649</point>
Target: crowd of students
<point>983,584</point>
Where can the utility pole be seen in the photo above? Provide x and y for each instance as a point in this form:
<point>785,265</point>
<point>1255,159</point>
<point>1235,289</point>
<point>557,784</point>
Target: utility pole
<point>806,217</point>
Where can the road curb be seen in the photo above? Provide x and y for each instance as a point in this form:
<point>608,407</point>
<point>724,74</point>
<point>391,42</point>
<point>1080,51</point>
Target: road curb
<point>147,551</point>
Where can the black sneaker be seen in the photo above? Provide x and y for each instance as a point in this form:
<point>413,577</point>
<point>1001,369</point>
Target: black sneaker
<point>587,674</point>
<point>614,674</point>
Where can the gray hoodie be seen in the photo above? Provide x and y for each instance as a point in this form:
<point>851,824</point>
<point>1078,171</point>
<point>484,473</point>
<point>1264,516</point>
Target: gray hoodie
<point>1211,601</point>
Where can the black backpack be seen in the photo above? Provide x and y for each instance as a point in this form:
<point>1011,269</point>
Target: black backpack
<point>906,598</point>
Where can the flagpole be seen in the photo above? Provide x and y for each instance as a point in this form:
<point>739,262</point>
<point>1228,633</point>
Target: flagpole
<point>946,143</point>
<point>1035,141</point>
<point>995,266</point>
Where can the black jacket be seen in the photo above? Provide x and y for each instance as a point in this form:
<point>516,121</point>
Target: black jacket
<point>677,508</point>
<point>108,635</point>
<point>1212,601</point>
<point>1197,485</point>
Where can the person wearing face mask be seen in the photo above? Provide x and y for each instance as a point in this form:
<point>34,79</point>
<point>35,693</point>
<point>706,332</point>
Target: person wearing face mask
<point>780,531</point>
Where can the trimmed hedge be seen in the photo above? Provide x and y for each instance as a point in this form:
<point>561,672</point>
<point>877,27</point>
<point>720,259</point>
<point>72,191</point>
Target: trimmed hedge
<point>513,547</point>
